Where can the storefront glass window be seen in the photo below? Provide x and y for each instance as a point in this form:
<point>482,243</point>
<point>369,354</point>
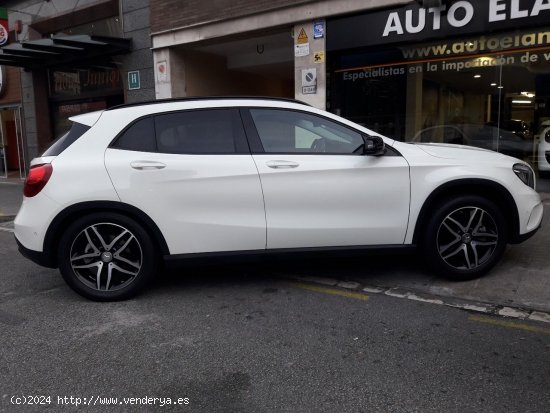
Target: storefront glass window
<point>490,91</point>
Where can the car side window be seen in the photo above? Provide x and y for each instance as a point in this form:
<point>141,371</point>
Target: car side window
<point>138,137</point>
<point>212,131</point>
<point>287,131</point>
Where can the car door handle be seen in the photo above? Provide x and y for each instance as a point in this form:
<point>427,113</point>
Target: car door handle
<point>282,164</point>
<point>147,165</point>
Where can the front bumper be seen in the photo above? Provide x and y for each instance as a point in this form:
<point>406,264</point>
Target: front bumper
<point>543,159</point>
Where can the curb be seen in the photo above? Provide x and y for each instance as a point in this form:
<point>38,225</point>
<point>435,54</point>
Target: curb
<point>468,305</point>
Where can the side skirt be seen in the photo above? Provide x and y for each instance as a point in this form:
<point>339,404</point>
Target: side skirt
<point>173,261</point>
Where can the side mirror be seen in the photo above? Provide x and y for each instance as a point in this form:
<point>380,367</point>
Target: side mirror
<point>374,146</point>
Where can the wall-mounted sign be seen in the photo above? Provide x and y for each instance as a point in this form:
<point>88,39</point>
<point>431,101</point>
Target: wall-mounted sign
<point>318,29</point>
<point>301,50</point>
<point>302,37</point>
<point>309,81</point>
<point>162,71</point>
<point>4,28</point>
<point>319,57</point>
<point>415,23</point>
<point>134,80</point>
<point>73,83</point>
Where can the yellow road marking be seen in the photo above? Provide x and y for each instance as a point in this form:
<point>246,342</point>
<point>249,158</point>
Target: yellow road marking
<point>331,291</point>
<point>509,324</point>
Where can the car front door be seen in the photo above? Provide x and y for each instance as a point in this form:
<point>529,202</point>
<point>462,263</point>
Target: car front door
<point>192,173</point>
<point>319,189</point>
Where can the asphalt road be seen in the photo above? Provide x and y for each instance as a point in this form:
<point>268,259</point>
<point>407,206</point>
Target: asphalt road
<point>240,339</point>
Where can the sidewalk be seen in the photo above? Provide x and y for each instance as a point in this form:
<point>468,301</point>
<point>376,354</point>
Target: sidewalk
<point>11,196</point>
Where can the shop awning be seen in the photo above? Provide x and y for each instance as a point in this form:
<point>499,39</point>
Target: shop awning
<point>62,51</point>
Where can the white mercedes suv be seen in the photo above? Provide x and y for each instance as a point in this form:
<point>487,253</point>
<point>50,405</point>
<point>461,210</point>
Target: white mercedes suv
<point>128,188</point>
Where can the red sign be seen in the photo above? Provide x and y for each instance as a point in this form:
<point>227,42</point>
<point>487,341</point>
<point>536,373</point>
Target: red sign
<point>4,28</point>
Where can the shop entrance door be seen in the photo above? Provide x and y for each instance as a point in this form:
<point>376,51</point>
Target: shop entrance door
<point>12,148</point>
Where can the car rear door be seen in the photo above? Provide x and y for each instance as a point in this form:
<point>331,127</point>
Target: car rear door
<point>192,173</point>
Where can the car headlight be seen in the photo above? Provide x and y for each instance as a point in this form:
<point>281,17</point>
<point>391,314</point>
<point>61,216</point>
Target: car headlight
<point>525,173</point>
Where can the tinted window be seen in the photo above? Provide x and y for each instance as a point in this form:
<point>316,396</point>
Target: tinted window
<point>199,131</point>
<point>138,137</point>
<point>285,131</point>
<point>65,140</point>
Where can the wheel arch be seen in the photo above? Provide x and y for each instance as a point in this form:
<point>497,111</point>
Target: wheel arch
<point>490,190</point>
<point>65,217</point>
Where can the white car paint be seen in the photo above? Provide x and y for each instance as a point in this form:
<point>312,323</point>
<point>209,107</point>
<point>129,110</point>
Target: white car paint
<point>447,163</point>
<point>201,203</point>
<point>334,200</point>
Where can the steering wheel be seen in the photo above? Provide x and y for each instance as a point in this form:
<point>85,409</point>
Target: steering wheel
<point>319,145</point>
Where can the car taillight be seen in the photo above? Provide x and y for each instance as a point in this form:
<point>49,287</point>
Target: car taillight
<point>36,180</point>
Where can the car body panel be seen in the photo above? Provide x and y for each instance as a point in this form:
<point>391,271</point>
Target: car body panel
<point>334,200</point>
<point>201,203</point>
<point>447,163</point>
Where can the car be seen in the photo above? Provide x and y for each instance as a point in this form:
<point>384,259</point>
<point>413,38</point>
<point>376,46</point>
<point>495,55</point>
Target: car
<point>129,188</point>
<point>542,141</point>
<point>484,136</point>
<point>517,126</point>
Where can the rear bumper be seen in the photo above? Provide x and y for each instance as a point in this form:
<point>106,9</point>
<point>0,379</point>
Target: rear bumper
<point>37,257</point>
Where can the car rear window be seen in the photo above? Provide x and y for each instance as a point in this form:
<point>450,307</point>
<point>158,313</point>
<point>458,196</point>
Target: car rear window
<point>66,140</point>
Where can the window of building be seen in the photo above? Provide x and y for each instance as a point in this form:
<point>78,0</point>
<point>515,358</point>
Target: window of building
<point>490,90</point>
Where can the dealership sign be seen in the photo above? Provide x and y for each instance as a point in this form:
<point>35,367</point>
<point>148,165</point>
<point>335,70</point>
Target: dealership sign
<point>4,31</point>
<point>416,23</point>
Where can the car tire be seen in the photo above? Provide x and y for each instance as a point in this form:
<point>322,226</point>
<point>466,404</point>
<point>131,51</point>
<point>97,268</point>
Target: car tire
<point>106,257</point>
<point>465,238</point>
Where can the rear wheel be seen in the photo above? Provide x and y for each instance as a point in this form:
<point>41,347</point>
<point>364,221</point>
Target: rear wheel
<point>106,257</point>
<point>465,238</point>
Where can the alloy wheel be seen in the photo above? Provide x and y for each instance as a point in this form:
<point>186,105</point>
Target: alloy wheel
<point>467,238</point>
<point>106,257</point>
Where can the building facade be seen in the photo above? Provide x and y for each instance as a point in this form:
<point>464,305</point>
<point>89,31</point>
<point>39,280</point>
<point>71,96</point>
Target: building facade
<point>66,57</point>
<point>470,72</point>
<point>456,71</point>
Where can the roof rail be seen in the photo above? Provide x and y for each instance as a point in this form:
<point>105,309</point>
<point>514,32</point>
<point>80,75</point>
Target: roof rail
<point>192,98</point>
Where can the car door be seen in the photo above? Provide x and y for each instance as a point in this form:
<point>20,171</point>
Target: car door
<point>192,173</point>
<point>319,190</point>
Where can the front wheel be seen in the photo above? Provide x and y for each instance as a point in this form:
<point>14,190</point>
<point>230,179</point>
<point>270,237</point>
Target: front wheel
<point>465,238</point>
<point>106,257</point>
